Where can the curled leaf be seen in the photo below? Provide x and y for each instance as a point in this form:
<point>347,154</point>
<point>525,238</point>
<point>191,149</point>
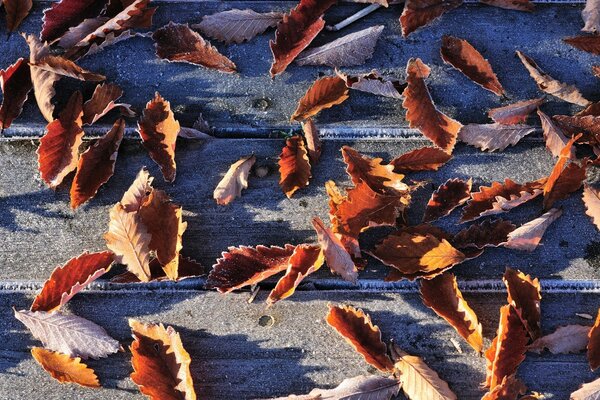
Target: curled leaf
<point>418,13</point>
<point>15,83</point>
<point>43,81</point>
<point>65,67</point>
<point>451,194</point>
<point>338,259</point>
<point>294,166</point>
<point>234,181</point>
<point>524,294</point>
<point>555,138</point>
<point>565,339</point>
<point>325,93</point>
<point>565,178</point>
<point>141,187</point>
<point>102,101</point>
<point>64,368</point>
<point>489,233</point>
<point>423,159</point>
<point>313,140</point>
<point>515,113</point>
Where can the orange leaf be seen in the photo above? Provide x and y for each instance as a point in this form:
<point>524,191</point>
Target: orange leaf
<point>313,141</point>
<point>68,280</point>
<point>515,113</point>
<point>509,389</point>
<point>305,260</point>
<point>563,181</point>
<point>524,294</point>
<point>442,295</point>
<point>325,93</point>
<point>96,165</point>
<point>64,368</point>
<point>16,11</point>
<point>243,266</point>
<point>58,152</point>
<point>528,236</point>
<point>358,330</point>
<point>158,129</point>
<point>451,194</point>
<point>161,365</point>
<point>555,138</point>
<point>591,199</point>
<point>296,31</point>
<point>464,57</point>
<point>418,13</point>
<point>421,113</point>
<point>338,259</point>
<point>15,83</point>
<point>423,159</point>
<point>294,166</point>
<point>593,347</point>
<point>188,268</point>
<point>519,5</point>
<point>234,181</point>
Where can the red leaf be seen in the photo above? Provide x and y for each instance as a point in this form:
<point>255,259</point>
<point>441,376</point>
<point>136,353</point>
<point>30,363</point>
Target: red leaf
<point>423,159</point>
<point>509,389</point>
<point>418,13</point>
<point>593,347</point>
<point>524,294</point>
<point>324,93</point>
<point>451,194</point>
<point>519,5</point>
<point>591,44</point>
<point>188,268</point>
<point>15,83</point>
<point>294,166</point>
<point>63,14</point>
<point>515,113</point>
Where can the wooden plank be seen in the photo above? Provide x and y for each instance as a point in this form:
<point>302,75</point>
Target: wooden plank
<point>251,103</point>
<point>40,231</point>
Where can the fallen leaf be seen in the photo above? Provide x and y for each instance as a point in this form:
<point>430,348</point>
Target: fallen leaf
<point>524,294</point>
<point>591,44</point>
<point>15,83</point>
<point>422,159</point>
<point>96,165</point>
<point>588,391</point>
<point>418,13</point>
<point>375,84</point>
<point>102,101</point>
<point>442,295</point>
<point>421,113</point>
<point>451,194</point>
<point>519,5</point>
<point>591,199</point>
<point>509,389</point>
<point>187,268</point>
<point>565,339</point>
<point>294,166</point>
<point>64,67</point>
<point>586,125</point>
<point>64,368</point>
<point>58,152</point>
<point>489,233</point>
<point>68,280</point>
<point>419,381</point>
<point>237,26</point>
<point>550,85</point>
<point>464,57</point>
<point>313,140</point>
<point>555,138</point>
<point>68,334</point>
<point>161,365</point>
<point>63,14</point>
<point>43,81</point>
<point>244,266</point>
<point>305,260</point>
<point>296,31</point>
<point>178,43</point>
<point>356,327</point>
<point>565,178</point>
<point>158,129</point>
<point>596,70</point>
<point>141,187</point>
<point>493,137</point>
<point>350,50</point>
<point>592,109</point>
<point>528,236</point>
<point>325,93</point>
<point>593,347</point>
<point>234,181</point>
<point>515,113</point>
<point>16,11</point>
<point>591,16</point>
<point>337,257</point>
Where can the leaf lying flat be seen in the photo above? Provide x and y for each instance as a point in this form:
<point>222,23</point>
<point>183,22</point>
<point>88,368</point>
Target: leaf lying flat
<point>161,365</point>
<point>64,368</point>
<point>243,266</point>
<point>555,138</point>
<point>64,67</point>
<point>515,113</point>
<point>349,50</point>
<point>519,5</point>
<point>294,166</point>
<point>338,259</point>
<point>102,102</point>
<point>565,339</point>
<point>591,199</point>
<point>178,43</point>
<point>15,83</point>
<point>423,159</point>
<point>451,194</point>
<point>588,391</point>
<point>237,26</point>
<point>313,140</point>
<point>63,14</point>
<point>43,81</point>
<point>591,44</point>
<point>550,85</point>
<point>68,280</point>
<point>493,137</point>
<point>418,13</point>
<point>234,181</point>
<point>591,16</point>
<point>422,113</point>
<point>489,233</point>
<point>464,57</point>
<point>16,11</point>
<point>358,330</point>
<point>372,387</point>
<point>524,294</point>
<point>68,334</point>
<point>325,93</point>
<point>442,295</point>
<point>375,84</point>
<point>593,347</point>
<point>528,236</point>
<point>58,151</point>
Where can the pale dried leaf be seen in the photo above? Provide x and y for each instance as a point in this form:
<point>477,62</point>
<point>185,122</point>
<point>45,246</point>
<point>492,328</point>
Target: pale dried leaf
<point>528,236</point>
<point>565,339</point>
<point>43,81</point>
<point>591,199</point>
<point>140,188</point>
<point>591,16</point>
<point>554,136</point>
<point>337,257</point>
<point>515,113</point>
<point>588,391</point>
<point>234,181</point>
<point>64,67</point>
<point>493,137</point>
<point>237,26</point>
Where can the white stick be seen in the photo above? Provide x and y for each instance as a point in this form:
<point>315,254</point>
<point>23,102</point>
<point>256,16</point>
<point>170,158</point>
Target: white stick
<point>365,11</point>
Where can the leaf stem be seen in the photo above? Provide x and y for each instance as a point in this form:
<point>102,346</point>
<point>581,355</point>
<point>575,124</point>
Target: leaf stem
<point>342,24</point>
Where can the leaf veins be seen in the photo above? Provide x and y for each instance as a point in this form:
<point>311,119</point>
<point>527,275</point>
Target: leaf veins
<point>325,93</point>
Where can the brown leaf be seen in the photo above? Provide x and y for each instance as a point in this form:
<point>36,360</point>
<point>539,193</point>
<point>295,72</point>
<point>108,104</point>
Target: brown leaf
<point>350,50</point>
<point>417,255</point>
<point>296,31</point>
<point>519,5</point>
<point>305,260</point>
<point>464,57</point>
<point>528,236</point>
<point>565,339</point>
<point>102,101</point>
<point>564,178</point>
<point>418,13</point>
<point>64,368</point>
<point>58,152</point>
<point>313,140</point>
<point>64,67</point>
<point>325,93</point>
<point>507,350</point>
<point>373,386</point>
<point>237,26</point>
<point>243,266</point>
<point>489,233</point>
<point>591,199</point>
<point>338,259</point>
<point>178,43</point>
<point>68,280</point>
<point>524,294</point>
<point>442,295</point>
<point>586,125</point>
<point>591,44</point>
<point>423,159</point>
<point>234,181</point>
<point>43,81</point>
<point>141,187</point>
<point>158,129</point>
<point>593,347</point>
<point>550,85</point>
<point>493,137</point>
<point>63,14</point>
<point>592,109</point>
<point>96,165</point>
<point>161,365</point>
<point>15,83</point>
<point>422,113</point>
<point>294,167</point>
<point>375,84</point>
<point>596,70</point>
<point>188,268</point>
<point>515,113</point>
<point>358,330</point>
<point>509,389</point>
<point>451,194</point>
<point>555,138</point>
<point>16,11</point>
<point>588,391</point>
